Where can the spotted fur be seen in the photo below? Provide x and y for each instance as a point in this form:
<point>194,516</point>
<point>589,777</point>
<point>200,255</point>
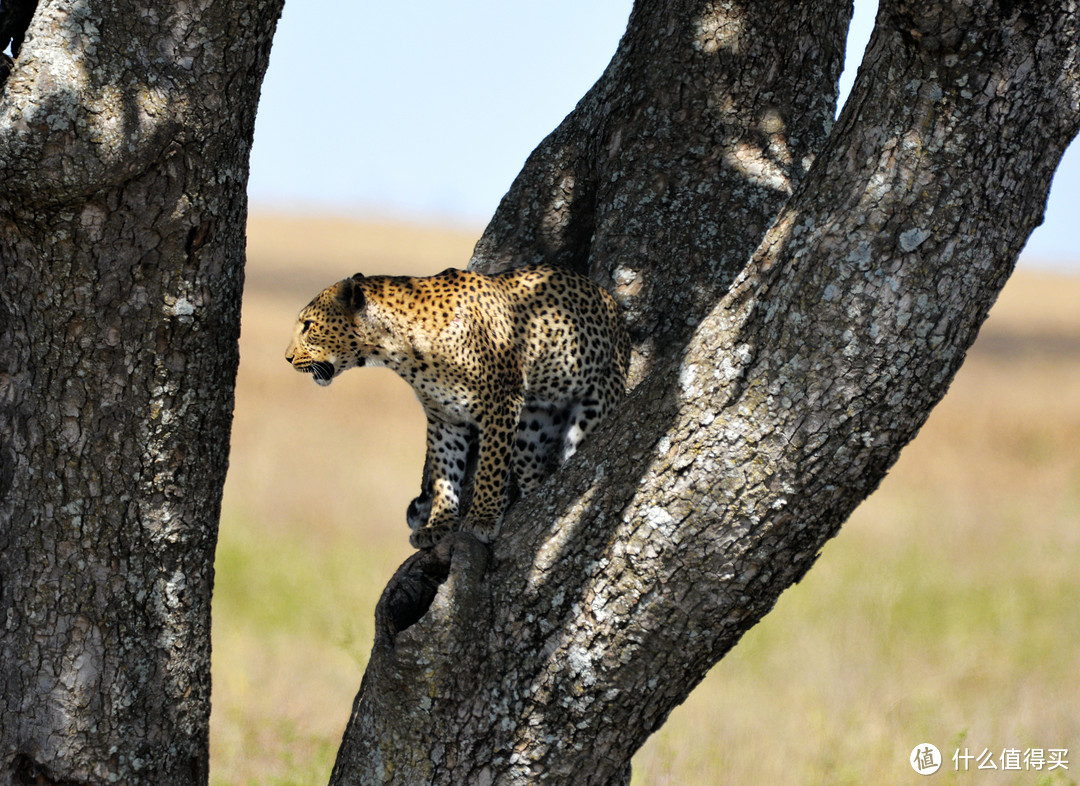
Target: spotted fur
<point>517,367</point>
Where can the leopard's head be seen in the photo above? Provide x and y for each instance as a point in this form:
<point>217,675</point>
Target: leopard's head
<point>334,332</point>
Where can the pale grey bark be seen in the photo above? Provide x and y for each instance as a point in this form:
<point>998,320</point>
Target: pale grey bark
<point>124,136</point>
<point>768,402</point>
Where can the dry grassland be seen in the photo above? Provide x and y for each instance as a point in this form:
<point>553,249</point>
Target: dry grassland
<point>946,611</point>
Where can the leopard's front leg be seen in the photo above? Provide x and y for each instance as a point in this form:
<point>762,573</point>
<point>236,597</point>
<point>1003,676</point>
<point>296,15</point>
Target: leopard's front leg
<point>435,512</point>
<point>496,435</point>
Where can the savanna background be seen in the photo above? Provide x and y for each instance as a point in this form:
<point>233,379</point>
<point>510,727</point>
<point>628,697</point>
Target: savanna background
<point>946,611</point>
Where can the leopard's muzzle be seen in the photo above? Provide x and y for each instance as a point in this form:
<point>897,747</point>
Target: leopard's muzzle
<point>322,371</point>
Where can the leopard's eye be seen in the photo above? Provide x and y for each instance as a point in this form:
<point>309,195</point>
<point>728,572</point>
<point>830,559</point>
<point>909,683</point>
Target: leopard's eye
<point>307,325</point>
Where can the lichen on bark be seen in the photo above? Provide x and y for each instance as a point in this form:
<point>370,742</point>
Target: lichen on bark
<point>122,217</point>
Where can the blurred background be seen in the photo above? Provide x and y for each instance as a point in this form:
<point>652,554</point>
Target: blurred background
<point>945,612</point>
<point>429,110</point>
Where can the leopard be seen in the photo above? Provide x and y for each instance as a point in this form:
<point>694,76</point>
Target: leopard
<point>513,370</point>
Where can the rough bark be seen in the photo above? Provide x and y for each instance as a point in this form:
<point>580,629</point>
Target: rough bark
<point>769,402</point>
<point>124,136</point>
<point>680,156</point>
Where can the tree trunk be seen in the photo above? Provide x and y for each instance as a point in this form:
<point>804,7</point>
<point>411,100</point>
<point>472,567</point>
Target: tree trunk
<point>771,397</point>
<point>124,138</point>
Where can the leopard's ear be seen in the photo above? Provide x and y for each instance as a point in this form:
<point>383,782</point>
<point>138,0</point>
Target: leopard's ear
<point>358,277</point>
<point>351,293</point>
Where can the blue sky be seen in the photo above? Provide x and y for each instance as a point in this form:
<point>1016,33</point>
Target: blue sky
<point>429,109</point>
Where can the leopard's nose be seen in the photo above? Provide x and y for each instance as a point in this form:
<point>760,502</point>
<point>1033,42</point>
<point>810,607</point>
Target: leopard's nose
<point>288,358</point>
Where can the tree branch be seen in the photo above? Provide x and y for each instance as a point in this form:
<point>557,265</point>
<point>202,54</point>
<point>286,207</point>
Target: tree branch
<point>92,103</point>
<point>700,128</point>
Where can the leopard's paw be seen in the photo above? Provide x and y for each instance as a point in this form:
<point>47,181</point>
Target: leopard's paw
<point>485,529</point>
<point>428,537</point>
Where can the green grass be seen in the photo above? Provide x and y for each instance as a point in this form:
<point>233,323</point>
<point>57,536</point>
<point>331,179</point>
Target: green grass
<point>910,628</point>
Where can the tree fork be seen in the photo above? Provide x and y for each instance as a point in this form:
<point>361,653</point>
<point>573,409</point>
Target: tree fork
<point>788,395</point>
<point>590,197</point>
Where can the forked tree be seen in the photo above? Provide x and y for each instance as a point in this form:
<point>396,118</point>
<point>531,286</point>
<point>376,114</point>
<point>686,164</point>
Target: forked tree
<point>800,294</point>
